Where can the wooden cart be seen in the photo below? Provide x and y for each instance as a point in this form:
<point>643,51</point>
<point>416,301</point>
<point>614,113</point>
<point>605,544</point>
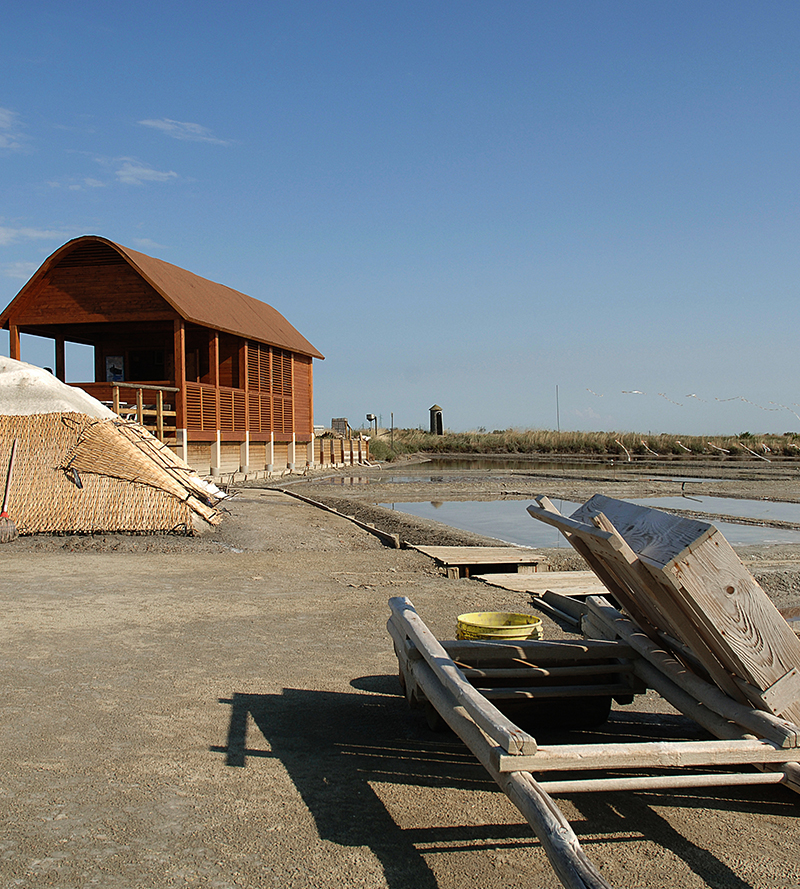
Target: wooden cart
<point>683,616</point>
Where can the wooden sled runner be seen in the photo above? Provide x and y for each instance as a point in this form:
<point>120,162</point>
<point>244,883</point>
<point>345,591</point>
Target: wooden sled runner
<point>683,616</point>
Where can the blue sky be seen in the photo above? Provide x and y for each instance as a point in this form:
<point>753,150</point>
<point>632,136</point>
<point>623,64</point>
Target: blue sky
<point>467,203</point>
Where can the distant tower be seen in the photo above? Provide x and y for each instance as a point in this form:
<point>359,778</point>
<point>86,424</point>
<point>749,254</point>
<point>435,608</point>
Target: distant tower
<point>436,420</point>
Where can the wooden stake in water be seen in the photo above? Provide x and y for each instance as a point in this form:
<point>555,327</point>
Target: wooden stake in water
<point>8,530</point>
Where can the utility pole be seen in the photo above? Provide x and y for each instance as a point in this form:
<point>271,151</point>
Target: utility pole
<point>558,414</point>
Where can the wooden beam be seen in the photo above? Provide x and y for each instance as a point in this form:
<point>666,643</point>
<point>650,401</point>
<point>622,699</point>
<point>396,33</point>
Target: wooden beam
<point>545,692</point>
<point>534,672</point>
<point>645,755</point>
<point>663,782</point>
<point>501,729</point>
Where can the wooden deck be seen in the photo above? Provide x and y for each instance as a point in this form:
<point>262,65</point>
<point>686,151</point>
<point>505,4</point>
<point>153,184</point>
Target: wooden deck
<point>466,561</point>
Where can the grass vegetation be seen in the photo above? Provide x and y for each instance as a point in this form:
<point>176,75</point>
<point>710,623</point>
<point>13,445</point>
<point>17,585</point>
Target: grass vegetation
<point>389,446</point>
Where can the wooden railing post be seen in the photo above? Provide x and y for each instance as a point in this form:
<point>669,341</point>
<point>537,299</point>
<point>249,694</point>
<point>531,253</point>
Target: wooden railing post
<point>160,415</point>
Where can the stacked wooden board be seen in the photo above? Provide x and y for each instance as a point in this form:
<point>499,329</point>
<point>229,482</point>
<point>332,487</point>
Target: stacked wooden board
<point>680,579</point>
<point>465,561</point>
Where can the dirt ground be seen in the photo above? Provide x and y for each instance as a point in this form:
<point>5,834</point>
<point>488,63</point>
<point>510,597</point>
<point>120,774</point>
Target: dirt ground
<point>224,711</point>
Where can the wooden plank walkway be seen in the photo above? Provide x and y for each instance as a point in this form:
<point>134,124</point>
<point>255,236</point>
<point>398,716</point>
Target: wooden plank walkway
<point>463,561</point>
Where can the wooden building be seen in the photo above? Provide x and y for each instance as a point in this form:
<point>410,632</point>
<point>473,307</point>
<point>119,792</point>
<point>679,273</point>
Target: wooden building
<point>223,378</point>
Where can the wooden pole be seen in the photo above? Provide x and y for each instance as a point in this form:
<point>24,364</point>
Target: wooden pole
<point>160,415</point>
<point>409,624</point>
<point>61,372</point>
<point>662,782</point>
<point>14,342</point>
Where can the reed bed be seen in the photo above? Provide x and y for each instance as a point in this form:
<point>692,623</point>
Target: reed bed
<point>615,444</point>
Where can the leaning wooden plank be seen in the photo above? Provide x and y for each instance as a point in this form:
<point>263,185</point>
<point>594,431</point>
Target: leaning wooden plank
<point>741,619</point>
<point>724,602</point>
<point>596,547</point>
<point>673,616</point>
<point>651,533</point>
<point>645,755</point>
<point>783,732</point>
<point>497,726</point>
<point>567,858</point>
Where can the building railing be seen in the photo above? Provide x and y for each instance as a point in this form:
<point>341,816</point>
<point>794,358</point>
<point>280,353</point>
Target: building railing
<point>208,408</point>
<point>149,411</point>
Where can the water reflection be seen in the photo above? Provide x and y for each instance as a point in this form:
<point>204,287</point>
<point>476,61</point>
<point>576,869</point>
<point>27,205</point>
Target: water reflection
<point>483,463</point>
<point>508,520</point>
<point>505,520</point>
<point>767,510</point>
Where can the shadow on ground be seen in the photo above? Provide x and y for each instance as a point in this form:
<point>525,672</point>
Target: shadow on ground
<point>334,746</point>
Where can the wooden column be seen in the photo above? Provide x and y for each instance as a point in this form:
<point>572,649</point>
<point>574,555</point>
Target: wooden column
<point>213,362</point>
<point>179,364</point>
<point>13,335</point>
<point>213,365</point>
<point>311,396</point>
<point>244,453</point>
<point>61,361</point>
<point>244,383</point>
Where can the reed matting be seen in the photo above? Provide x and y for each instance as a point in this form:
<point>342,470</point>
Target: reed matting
<point>78,474</point>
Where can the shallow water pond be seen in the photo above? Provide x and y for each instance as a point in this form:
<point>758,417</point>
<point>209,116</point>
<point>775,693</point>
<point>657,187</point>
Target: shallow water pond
<point>508,520</point>
<point>768,510</point>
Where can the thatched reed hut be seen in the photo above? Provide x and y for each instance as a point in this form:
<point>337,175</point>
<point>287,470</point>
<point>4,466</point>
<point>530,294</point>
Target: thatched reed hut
<point>80,468</point>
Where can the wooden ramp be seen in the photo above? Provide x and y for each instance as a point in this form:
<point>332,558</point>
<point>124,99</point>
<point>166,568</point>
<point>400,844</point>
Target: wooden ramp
<point>566,583</point>
<point>560,594</point>
<point>465,561</point>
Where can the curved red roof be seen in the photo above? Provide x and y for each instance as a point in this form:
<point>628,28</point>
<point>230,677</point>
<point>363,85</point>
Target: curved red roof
<point>197,299</point>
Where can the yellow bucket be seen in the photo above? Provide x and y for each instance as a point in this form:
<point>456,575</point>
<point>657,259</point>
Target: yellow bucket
<point>499,625</point>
